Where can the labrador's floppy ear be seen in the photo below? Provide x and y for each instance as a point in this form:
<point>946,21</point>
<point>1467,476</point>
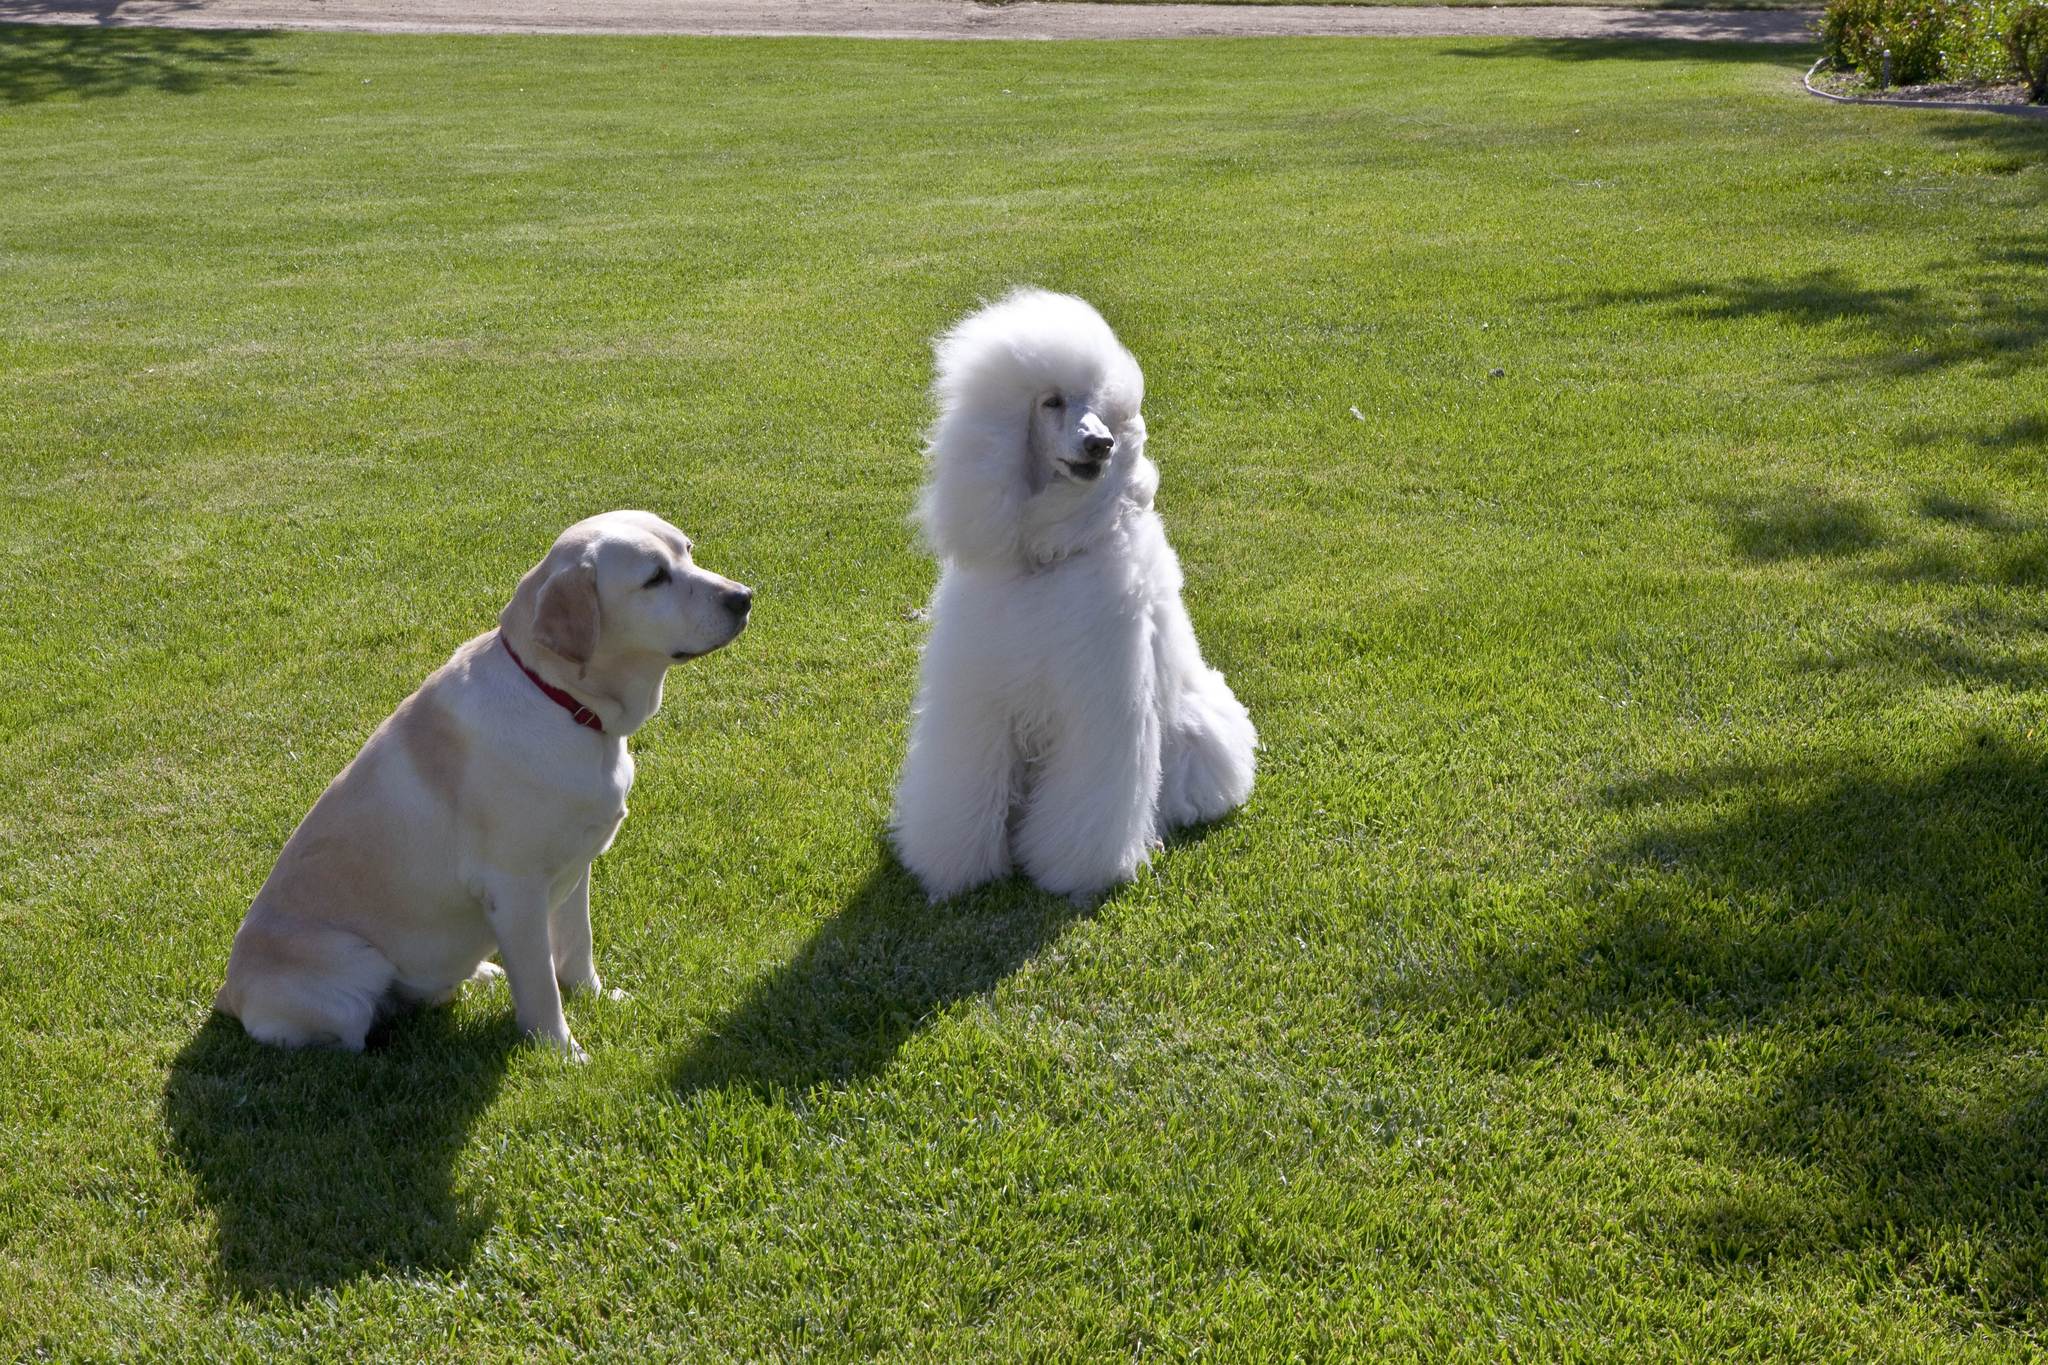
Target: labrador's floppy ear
<point>565,615</point>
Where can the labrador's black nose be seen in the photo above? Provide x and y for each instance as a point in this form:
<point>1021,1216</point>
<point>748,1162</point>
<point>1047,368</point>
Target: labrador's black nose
<point>1097,446</point>
<point>737,600</point>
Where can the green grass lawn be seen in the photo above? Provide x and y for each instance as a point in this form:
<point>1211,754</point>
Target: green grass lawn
<point>1637,943</point>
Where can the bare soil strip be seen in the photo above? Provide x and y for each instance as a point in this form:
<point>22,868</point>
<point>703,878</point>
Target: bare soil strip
<point>924,19</point>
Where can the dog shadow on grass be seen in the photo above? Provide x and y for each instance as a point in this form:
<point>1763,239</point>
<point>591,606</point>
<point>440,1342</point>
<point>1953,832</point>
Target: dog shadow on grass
<point>86,61</point>
<point>1869,927</point>
<point>869,979</point>
<point>873,976</point>
<point>322,1166</point>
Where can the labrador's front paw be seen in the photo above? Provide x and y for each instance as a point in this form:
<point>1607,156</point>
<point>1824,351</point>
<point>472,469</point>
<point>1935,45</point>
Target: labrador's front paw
<point>563,1044</point>
<point>591,984</point>
<point>594,987</point>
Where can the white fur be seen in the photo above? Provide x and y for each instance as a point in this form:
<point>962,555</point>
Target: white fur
<point>1065,720</point>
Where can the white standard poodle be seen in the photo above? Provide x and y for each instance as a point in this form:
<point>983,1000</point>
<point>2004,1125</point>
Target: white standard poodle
<point>1064,718</point>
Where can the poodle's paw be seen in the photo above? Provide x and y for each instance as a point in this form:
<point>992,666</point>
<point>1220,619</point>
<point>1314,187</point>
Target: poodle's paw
<point>485,974</point>
<point>952,873</point>
<point>1187,814</point>
<point>1086,883</point>
<point>950,891</point>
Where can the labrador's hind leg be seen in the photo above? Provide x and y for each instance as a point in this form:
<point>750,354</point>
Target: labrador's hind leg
<point>307,986</point>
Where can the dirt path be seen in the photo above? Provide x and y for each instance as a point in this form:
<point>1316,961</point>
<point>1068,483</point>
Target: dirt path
<point>921,18</point>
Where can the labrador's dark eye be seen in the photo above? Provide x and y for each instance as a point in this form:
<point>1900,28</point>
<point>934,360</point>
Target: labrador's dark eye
<point>657,578</point>
<point>1056,402</point>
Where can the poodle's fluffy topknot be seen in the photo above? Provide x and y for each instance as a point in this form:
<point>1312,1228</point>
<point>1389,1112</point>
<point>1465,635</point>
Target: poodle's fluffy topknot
<point>996,360</point>
<point>992,365</point>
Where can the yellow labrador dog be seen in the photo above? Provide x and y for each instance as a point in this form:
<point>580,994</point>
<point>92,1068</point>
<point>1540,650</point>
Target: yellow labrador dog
<point>469,820</point>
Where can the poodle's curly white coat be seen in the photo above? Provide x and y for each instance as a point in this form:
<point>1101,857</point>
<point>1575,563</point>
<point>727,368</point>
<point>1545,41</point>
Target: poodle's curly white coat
<point>1065,719</point>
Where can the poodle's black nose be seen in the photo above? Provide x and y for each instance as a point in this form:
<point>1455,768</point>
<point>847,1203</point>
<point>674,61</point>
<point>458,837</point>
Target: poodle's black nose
<point>737,599</point>
<point>1097,446</point>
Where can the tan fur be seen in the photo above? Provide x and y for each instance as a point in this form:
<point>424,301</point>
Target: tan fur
<point>433,743</point>
<point>565,619</point>
<point>468,822</point>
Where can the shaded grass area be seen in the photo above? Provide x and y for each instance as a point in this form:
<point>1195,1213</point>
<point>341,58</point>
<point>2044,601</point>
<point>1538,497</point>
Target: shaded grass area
<point>1635,943</point>
<point>850,998</point>
<point>320,1170</point>
<point>41,62</point>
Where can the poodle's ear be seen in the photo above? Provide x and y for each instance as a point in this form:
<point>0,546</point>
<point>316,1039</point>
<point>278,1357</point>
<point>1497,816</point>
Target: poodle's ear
<point>972,507</point>
<point>1143,484</point>
<point>565,613</point>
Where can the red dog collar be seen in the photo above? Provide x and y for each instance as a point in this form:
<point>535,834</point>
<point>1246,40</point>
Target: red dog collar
<point>578,712</point>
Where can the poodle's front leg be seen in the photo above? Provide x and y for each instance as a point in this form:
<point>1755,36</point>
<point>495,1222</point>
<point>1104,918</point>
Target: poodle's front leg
<point>1089,822</point>
<point>951,822</point>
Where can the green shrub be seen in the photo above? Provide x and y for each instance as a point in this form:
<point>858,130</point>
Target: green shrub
<point>1976,46</point>
<point>1857,33</point>
<point>1929,40</point>
<point>2026,41</point>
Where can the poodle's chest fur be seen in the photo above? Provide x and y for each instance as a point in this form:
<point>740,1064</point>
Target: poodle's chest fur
<point>1041,640</point>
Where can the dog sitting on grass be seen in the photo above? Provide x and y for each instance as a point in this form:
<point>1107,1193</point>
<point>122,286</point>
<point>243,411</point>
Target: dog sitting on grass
<point>1065,719</point>
<point>468,822</point>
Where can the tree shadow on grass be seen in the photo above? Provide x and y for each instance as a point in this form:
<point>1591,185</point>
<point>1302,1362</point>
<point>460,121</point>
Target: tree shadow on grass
<point>1875,928</point>
<point>1799,523</point>
<point>2017,143</point>
<point>1983,309</point>
<point>41,61</point>
<point>1978,514</point>
<point>2022,437</point>
<point>1980,639</point>
<point>321,1166</point>
<point>1885,926</point>
<point>1988,317</point>
<point>1942,1158</point>
<point>871,978</point>
<point>1731,34</point>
